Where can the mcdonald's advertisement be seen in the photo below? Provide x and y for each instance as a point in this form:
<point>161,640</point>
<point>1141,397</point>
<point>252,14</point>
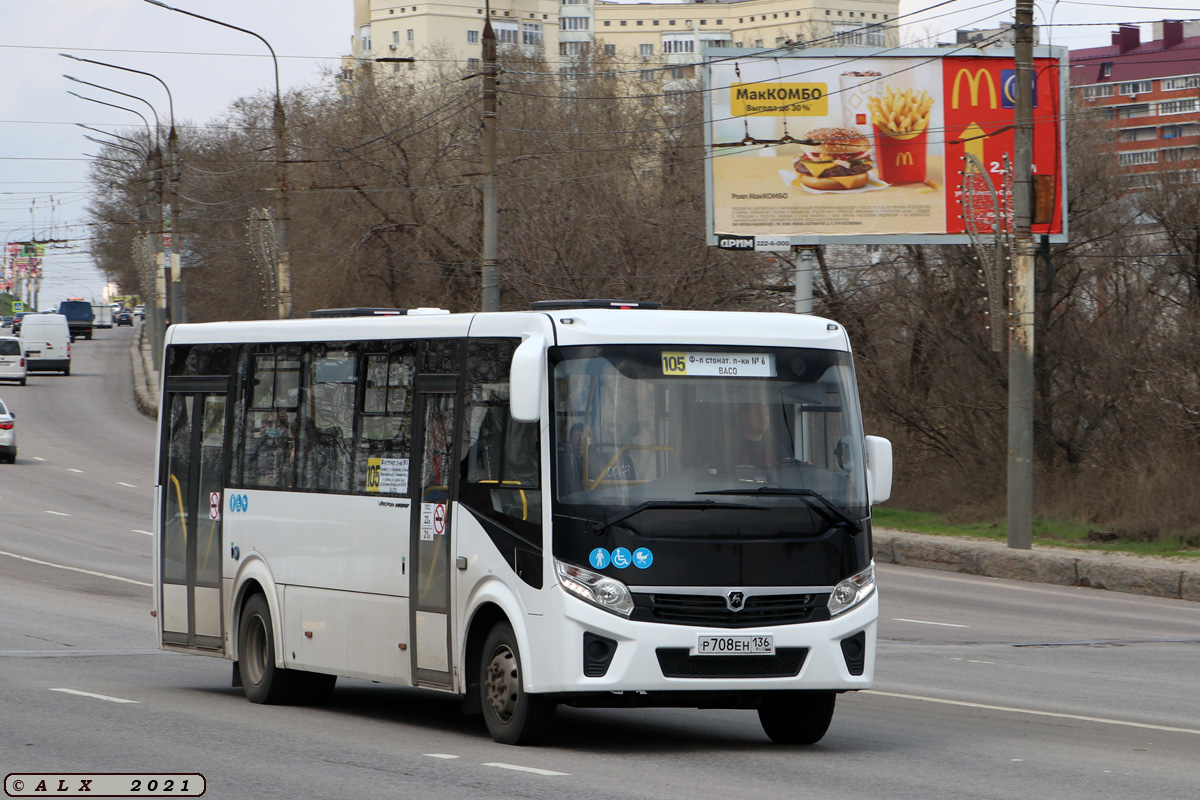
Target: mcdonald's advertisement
<point>896,148</point>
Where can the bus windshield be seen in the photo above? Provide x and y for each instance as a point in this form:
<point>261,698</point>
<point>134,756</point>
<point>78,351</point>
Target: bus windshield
<point>652,426</point>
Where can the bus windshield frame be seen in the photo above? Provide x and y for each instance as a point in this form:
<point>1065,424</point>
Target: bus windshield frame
<point>641,432</point>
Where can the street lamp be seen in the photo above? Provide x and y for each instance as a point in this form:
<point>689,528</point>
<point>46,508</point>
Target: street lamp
<point>154,164</point>
<point>176,299</point>
<point>283,275</point>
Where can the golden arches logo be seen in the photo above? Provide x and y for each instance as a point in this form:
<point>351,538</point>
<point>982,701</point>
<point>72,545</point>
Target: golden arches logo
<point>974,83</point>
<point>904,159</point>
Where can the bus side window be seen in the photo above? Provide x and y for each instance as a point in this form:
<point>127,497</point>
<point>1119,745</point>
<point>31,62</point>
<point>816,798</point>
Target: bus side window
<point>269,450</point>
<point>327,434</point>
<point>385,419</point>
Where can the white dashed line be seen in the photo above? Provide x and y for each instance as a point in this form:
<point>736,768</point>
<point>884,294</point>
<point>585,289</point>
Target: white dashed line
<point>534,770</point>
<point>148,533</point>
<point>71,469</point>
<point>58,513</point>
<point>38,458</point>
<point>923,622</point>
<point>74,569</point>
<point>1053,714</point>
<point>123,483</point>
<point>440,755</point>
<point>97,696</point>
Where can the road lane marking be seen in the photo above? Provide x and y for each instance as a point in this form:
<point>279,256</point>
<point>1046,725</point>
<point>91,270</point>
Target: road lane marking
<point>38,458</point>
<point>58,513</point>
<point>74,569</point>
<point>97,696</point>
<point>440,755</point>
<point>1054,714</point>
<point>534,770</point>
<point>123,483</point>
<point>924,622</point>
<point>72,469</point>
<point>148,533</point>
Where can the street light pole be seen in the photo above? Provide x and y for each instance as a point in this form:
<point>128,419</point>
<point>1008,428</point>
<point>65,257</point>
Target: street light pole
<point>178,313</point>
<point>283,272</point>
<point>156,312</point>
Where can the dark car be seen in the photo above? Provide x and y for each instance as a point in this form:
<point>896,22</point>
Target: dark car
<point>123,318</point>
<point>16,323</point>
<point>80,317</point>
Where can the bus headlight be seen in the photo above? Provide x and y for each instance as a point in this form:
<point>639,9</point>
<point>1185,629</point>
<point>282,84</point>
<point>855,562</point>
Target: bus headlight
<point>599,590</point>
<point>852,591</point>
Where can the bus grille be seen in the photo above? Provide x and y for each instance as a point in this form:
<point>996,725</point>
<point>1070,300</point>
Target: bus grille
<point>677,663</point>
<point>711,610</point>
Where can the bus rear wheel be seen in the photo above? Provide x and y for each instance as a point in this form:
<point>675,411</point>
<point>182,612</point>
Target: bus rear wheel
<point>512,715</point>
<point>262,681</point>
<point>798,717</point>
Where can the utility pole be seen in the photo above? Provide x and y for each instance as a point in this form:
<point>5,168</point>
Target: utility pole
<point>158,312</point>
<point>1020,351</point>
<point>490,273</point>
<point>283,269</point>
<point>804,279</point>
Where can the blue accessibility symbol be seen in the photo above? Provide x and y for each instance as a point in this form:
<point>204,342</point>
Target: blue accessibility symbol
<point>621,558</point>
<point>599,558</point>
<point>642,558</point>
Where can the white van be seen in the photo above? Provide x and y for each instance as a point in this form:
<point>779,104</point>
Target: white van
<point>47,342</point>
<point>12,360</point>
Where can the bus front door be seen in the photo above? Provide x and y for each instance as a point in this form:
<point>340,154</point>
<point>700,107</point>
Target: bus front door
<point>190,526</point>
<point>431,551</point>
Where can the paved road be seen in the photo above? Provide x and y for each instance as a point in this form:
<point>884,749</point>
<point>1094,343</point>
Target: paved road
<point>985,688</point>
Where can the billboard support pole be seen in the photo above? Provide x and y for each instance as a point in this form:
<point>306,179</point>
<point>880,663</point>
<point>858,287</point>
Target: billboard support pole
<point>1020,351</point>
<point>804,279</point>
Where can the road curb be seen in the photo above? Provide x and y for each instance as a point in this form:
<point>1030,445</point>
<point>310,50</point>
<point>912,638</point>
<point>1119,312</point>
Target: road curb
<point>1153,577</point>
<point>145,377</point>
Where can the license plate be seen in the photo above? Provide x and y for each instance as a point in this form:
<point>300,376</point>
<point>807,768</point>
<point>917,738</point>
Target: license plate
<point>34,353</point>
<point>749,645</point>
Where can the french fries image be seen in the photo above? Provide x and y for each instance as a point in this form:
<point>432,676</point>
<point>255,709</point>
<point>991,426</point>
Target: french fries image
<point>900,113</point>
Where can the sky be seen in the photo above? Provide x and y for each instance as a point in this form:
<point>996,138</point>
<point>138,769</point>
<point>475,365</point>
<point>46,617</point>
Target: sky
<point>44,155</point>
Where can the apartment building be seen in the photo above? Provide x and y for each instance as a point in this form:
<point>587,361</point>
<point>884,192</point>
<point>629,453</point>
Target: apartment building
<point>448,33</point>
<point>1150,94</point>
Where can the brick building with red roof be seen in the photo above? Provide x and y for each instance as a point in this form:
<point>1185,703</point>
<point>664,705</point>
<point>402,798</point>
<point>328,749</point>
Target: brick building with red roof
<point>1151,93</point>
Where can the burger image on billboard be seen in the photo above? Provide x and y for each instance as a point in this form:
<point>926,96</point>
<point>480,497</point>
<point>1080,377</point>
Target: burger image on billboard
<point>834,159</point>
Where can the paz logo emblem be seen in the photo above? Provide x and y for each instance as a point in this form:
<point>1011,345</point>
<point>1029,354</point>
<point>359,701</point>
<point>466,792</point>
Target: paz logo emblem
<point>735,601</point>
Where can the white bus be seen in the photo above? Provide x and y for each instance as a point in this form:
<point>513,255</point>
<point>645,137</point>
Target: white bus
<point>588,504</point>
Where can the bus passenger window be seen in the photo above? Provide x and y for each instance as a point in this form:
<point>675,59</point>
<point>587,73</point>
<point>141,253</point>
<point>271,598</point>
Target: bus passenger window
<point>328,429</point>
<point>385,431</point>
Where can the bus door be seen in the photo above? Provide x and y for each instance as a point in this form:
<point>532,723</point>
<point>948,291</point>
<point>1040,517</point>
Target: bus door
<point>433,489</point>
<point>192,509</point>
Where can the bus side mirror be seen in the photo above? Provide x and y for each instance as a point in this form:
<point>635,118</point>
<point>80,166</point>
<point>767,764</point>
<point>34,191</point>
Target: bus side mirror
<point>879,469</point>
<point>526,377</point>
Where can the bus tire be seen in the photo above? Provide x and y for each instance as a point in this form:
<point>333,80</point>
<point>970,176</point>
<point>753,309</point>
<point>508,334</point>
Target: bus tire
<point>512,715</point>
<point>797,718</point>
<point>262,681</point>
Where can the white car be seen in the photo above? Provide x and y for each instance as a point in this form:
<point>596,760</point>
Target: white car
<point>8,435</point>
<point>12,360</point>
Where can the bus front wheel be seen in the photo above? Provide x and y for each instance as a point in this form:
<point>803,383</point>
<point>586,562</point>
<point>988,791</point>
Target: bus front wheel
<point>513,716</point>
<point>262,681</point>
<point>798,718</point>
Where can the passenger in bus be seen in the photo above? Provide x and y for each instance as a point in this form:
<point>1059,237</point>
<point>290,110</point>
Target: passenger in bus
<point>571,470</point>
<point>272,455</point>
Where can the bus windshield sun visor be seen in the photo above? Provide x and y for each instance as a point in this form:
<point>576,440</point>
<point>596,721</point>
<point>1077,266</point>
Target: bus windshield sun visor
<point>600,526</point>
<point>818,502</point>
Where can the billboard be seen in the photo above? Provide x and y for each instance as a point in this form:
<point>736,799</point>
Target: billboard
<point>862,146</point>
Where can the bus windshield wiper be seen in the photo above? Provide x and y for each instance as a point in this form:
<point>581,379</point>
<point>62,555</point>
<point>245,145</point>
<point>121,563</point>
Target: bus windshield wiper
<point>818,502</point>
<point>600,526</point>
